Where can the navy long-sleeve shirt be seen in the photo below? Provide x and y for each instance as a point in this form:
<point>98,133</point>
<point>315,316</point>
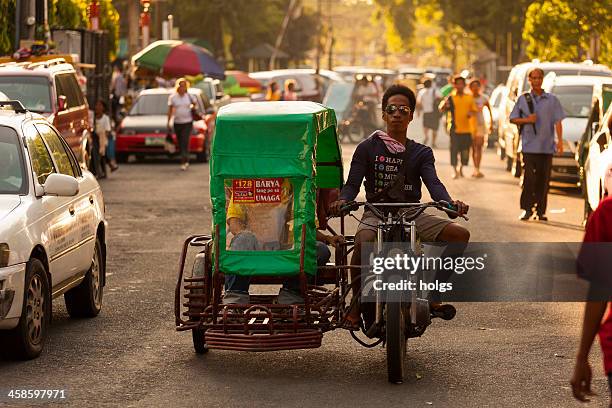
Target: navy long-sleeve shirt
<point>379,166</point>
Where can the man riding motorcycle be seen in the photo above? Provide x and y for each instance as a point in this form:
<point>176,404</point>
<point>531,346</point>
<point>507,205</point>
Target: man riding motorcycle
<point>378,159</point>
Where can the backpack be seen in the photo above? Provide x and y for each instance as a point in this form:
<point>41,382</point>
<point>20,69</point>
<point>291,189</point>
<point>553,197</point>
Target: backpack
<point>529,101</point>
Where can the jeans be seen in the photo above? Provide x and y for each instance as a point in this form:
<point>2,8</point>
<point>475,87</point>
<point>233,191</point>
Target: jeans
<point>183,134</point>
<point>460,145</point>
<point>240,284</point>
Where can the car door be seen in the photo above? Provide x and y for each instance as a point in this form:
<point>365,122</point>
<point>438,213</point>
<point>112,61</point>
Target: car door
<point>54,216</point>
<point>81,206</point>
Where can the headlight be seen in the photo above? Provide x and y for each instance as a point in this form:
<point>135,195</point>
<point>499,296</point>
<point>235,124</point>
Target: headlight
<point>4,255</point>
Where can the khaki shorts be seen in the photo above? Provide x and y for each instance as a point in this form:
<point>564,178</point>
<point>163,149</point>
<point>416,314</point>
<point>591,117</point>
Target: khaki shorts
<point>428,226</point>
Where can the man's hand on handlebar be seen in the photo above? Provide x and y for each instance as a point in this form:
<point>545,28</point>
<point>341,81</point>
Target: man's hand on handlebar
<point>336,207</point>
<point>461,207</point>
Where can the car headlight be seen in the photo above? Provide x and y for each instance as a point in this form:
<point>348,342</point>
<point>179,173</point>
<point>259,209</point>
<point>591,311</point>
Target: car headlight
<point>4,255</point>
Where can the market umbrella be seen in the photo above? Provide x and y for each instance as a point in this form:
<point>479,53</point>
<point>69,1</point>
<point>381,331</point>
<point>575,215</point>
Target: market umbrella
<point>177,58</point>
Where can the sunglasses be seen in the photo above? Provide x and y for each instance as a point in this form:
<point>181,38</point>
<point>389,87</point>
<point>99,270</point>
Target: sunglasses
<point>403,109</point>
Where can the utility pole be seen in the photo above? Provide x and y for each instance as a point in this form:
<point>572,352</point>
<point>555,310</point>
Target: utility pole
<point>279,39</point>
<point>133,7</point>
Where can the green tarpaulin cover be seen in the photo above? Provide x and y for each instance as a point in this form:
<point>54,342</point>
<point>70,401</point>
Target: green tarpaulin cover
<point>268,159</point>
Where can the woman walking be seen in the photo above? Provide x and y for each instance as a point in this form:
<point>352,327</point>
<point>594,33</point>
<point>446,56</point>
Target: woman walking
<point>102,130</point>
<point>479,129</point>
<point>179,109</point>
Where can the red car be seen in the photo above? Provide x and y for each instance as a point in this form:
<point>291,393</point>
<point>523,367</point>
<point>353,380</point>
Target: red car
<point>143,131</point>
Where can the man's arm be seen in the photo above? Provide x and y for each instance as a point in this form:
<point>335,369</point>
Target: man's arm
<point>559,130</point>
<point>357,173</point>
<point>517,112</point>
<point>436,189</point>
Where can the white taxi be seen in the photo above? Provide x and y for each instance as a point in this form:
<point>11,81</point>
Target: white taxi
<point>52,231</point>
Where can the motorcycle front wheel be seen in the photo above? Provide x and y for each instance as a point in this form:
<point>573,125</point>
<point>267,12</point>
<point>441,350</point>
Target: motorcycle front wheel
<point>395,324</point>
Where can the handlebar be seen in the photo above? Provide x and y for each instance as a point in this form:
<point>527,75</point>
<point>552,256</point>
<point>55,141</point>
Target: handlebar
<point>440,205</point>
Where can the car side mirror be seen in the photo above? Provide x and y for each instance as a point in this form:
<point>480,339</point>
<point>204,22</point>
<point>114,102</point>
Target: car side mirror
<point>602,141</point>
<point>61,185</point>
<point>61,103</point>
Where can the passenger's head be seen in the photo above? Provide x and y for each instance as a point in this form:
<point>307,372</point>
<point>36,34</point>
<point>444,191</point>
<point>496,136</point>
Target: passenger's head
<point>427,83</point>
<point>273,86</point>
<point>182,85</point>
<point>536,77</point>
<point>398,105</point>
<point>290,85</point>
<point>459,83</point>
<point>475,86</point>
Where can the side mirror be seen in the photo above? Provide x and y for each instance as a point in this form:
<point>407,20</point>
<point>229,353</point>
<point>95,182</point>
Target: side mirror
<point>61,185</point>
<point>61,103</point>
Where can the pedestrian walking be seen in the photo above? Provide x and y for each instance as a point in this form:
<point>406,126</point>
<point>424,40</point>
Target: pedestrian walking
<point>102,130</point>
<point>538,115</point>
<point>180,106</point>
<point>459,106</point>
<point>428,100</point>
<point>119,90</point>
<point>598,229</point>
<point>480,131</point>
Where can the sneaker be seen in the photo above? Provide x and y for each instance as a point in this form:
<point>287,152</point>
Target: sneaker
<point>525,215</point>
<point>541,217</point>
<point>184,166</point>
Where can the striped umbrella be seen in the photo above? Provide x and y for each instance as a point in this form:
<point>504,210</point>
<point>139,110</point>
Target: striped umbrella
<point>178,58</point>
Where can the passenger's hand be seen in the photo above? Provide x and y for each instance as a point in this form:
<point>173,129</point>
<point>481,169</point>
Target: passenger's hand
<point>581,380</point>
<point>559,146</point>
<point>335,240</point>
<point>335,206</point>
<point>462,208</point>
<point>531,118</point>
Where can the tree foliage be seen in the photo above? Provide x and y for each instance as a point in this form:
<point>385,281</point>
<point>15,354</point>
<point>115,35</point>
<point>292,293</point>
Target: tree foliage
<point>562,30</point>
<point>7,26</point>
<point>398,16</point>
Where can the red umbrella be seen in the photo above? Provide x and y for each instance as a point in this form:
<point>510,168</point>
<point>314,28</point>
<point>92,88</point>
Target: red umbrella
<point>243,79</point>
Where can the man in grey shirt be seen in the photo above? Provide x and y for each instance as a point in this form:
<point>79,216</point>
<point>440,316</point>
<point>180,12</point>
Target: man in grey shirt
<point>538,115</point>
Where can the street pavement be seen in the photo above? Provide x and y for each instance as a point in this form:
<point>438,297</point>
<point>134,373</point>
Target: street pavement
<point>490,355</point>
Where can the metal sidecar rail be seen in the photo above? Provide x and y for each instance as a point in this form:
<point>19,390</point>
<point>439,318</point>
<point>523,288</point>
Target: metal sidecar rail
<point>261,325</point>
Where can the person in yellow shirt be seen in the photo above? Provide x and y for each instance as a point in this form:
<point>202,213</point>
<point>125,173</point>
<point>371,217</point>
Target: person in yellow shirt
<point>273,94</point>
<point>460,107</point>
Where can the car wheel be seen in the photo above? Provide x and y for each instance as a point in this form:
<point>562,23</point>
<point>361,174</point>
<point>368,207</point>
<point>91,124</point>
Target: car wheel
<point>122,157</point>
<point>85,300</point>
<point>26,341</point>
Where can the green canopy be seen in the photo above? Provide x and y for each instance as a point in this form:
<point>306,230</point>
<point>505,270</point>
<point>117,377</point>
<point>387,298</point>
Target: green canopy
<point>268,159</point>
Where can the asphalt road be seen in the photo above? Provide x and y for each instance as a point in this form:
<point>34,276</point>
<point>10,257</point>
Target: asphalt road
<point>491,354</point>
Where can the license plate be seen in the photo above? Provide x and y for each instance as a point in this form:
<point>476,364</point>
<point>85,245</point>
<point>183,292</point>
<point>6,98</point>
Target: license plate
<point>154,141</point>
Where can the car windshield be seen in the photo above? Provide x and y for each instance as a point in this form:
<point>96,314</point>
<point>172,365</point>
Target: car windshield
<point>151,104</point>
<point>34,92</point>
<point>12,174</point>
<point>575,99</point>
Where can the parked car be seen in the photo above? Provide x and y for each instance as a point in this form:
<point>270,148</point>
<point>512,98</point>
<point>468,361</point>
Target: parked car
<point>518,84</point>
<point>213,89</point>
<point>52,231</point>
<point>599,145</point>
<point>602,99</point>
<point>51,89</point>
<point>496,101</point>
<point>143,131</point>
<point>309,86</point>
<point>576,96</point>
